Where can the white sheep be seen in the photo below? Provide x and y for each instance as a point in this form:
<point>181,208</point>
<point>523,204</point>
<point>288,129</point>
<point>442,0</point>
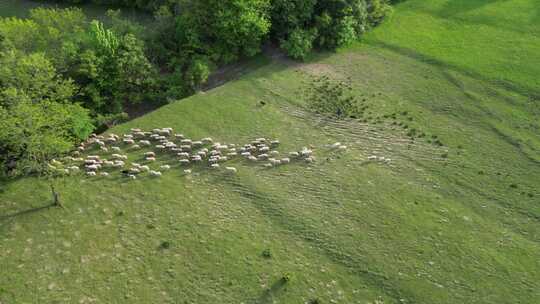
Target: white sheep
<point>144,168</point>
<point>183,154</point>
<point>197,144</point>
<point>274,153</point>
<point>116,149</point>
<point>310,159</point>
<point>135,147</point>
<point>136,130</point>
<point>185,147</point>
<point>134,171</point>
<point>372,157</point>
<point>165,167</point>
<point>186,142</point>
<point>285,160</point>
<point>128,141</point>
<point>184,161</point>
<point>150,159</point>
<point>214,166</point>
<point>95,157</point>
<point>207,140</point>
<point>231,170</point>
<point>275,143</point>
<point>179,136</point>
<point>74,168</point>
<point>262,157</point>
<point>104,174</point>
<point>342,148</point>
<point>131,176</point>
<point>187,171</point>
<point>145,143</point>
<point>155,173</point>
<point>275,162</point>
<point>150,154</point>
<point>91,173</point>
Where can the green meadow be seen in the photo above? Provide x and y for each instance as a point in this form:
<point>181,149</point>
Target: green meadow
<point>453,217</point>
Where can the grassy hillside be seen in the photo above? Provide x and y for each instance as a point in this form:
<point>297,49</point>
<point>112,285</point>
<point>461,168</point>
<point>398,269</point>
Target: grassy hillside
<point>457,223</point>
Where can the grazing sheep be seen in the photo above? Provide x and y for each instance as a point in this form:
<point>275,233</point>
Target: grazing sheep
<point>134,171</point>
<point>187,171</point>
<point>75,153</point>
<point>128,141</point>
<point>274,143</point>
<point>74,168</point>
<point>232,154</point>
<point>165,167</point>
<point>135,147</point>
<point>231,170</point>
<point>104,174</point>
<point>197,144</point>
<point>264,149</point>
<point>185,147</point>
<point>186,142</point>
<point>184,161</point>
<point>274,153</point>
<point>310,159</point>
<point>214,166</point>
<point>335,145</point>
<point>268,165</point>
<point>108,163</point>
<point>150,154</point>
<point>116,149</point>
<point>160,147</point>
<point>150,159</point>
<point>252,158</point>
<point>119,164</point>
<point>183,154</point>
<point>207,140</point>
<point>342,148</point>
<point>155,173</point>
<point>104,149</point>
<point>91,173</point>
<point>144,168</point>
<point>179,136</point>
<point>372,157</point>
<point>145,143</point>
<point>132,177</point>
<point>246,154</point>
<point>381,158</point>
<point>196,158</point>
<point>285,160</point>
<point>262,157</point>
<point>306,152</point>
<point>275,162</point>
<point>92,167</point>
<point>136,130</point>
<point>81,149</point>
<point>95,157</point>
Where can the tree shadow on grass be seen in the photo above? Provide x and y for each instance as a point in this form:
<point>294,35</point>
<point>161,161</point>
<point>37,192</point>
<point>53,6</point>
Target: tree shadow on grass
<point>4,218</point>
<point>268,295</point>
<point>505,84</point>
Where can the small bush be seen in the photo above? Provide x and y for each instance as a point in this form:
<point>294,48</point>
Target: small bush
<point>266,253</point>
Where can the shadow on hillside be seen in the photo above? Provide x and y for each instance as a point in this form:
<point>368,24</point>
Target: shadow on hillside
<point>458,9</point>
<point>507,85</point>
<point>7,217</point>
<point>455,7</point>
<point>269,294</point>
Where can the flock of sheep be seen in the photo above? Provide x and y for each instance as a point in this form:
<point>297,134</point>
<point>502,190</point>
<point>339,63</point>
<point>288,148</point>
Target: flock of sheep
<point>163,142</point>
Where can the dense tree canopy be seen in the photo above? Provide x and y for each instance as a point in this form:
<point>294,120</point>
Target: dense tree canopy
<point>62,74</point>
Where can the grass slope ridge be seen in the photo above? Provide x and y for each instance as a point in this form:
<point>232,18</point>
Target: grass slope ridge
<point>451,224</point>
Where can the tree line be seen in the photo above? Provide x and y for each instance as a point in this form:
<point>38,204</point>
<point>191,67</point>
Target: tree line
<point>62,75</point>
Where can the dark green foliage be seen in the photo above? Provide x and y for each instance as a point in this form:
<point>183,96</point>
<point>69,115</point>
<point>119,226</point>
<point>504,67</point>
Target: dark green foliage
<point>266,253</point>
<point>328,96</point>
<point>38,120</point>
<point>327,24</point>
